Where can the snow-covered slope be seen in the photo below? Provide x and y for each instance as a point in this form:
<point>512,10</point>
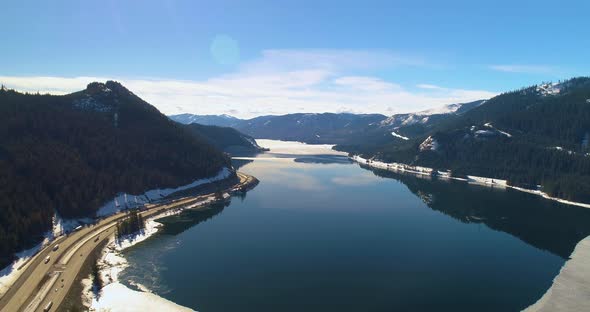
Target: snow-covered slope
<point>424,117</point>
<point>209,120</point>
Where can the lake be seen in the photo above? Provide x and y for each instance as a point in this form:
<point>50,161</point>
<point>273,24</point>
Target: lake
<point>320,233</point>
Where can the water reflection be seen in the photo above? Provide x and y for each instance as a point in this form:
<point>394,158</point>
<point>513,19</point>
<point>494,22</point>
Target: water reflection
<point>545,224</point>
<point>327,235</point>
<point>176,224</point>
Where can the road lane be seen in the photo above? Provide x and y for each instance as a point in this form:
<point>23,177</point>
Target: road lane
<point>37,285</point>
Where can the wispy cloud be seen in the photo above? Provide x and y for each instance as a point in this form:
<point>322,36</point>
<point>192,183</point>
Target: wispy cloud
<point>280,82</point>
<point>430,86</point>
<point>524,69</point>
<point>329,60</point>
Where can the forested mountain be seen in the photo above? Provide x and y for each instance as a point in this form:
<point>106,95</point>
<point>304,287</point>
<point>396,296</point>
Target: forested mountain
<point>534,136</point>
<point>309,128</point>
<point>224,138</point>
<point>208,120</point>
<point>328,128</point>
<point>69,154</point>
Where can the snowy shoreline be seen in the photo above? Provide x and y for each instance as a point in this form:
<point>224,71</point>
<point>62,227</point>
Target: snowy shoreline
<point>570,290</point>
<point>10,273</point>
<point>426,171</point>
<point>115,296</point>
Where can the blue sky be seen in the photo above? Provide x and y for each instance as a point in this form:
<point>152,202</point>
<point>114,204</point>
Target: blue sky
<point>249,58</point>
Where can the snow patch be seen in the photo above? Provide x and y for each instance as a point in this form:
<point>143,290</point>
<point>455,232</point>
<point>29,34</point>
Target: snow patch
<point>399,136</point>
<point>479,133</point>
<point>430,144</point>
<point>547,89</point>
<point>489,125</point>
<point>446,109</point>
<point>90,103</point>
<point>561,149</point>
<point>117,297</point>
<point>11,273</point>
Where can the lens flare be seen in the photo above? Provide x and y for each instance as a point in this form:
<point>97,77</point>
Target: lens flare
<point>225,50</point>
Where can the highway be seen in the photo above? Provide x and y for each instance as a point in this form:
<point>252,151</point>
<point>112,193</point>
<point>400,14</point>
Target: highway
<point>41,283</point>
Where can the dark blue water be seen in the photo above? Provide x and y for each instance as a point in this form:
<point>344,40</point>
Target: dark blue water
<point>332,236</point>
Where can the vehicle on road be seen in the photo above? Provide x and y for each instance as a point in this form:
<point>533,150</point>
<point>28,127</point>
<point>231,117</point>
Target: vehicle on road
<point>56,247</point>
<point>47,259</point>
<point>48,306</point>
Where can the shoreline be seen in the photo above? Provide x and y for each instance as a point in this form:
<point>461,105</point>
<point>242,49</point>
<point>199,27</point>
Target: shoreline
<point>114,294</point>
<point>84,240</point>
<point>445,175</point>
<point>570,290</point>
<point>12,271</point>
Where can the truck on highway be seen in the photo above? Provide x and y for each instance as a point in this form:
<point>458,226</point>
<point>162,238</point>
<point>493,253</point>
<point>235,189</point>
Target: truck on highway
<point>48,306</point>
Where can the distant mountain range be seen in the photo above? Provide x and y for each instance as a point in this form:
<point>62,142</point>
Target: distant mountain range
<point>70,154</point>
<point>537,135</point>
<point>208,120</point>
<point>331,128</point>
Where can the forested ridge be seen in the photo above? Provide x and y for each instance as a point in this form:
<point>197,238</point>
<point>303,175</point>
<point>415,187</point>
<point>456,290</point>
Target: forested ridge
<point>70,154</point>
<point>224,138</point>
<point>537,135</point>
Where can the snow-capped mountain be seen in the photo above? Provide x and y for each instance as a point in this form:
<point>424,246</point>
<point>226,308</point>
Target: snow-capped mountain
<point>309,128</point>
<point>209,120</point>
<point>426,116</point>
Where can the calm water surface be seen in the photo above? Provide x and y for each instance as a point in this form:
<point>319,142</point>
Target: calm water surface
<point>322,234</point>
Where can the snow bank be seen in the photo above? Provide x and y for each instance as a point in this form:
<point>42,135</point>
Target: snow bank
<point>394,166</point>
<point>570,290</point>
<point>61,226</point>
<point>487,181</point>
<point>547,196</point>
<point>470,179</point>
<point>113,263</point>
<point>10,273</point>
<point>117,297</point>
<point>123,199</point>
